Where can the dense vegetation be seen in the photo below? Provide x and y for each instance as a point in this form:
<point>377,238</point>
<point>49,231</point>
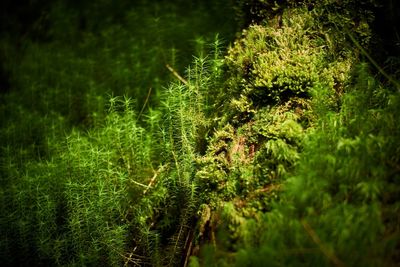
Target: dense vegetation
<point>137,134</point>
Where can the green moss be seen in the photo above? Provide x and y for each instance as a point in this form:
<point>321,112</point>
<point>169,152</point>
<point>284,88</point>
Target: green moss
<point>285,83</point>
<point>284,152</point>
<point>270,65</point>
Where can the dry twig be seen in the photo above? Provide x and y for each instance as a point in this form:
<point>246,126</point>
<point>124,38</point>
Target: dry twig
<point>176,74</point>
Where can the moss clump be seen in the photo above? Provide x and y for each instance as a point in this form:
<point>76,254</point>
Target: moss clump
<point>270,64</point>
<point>284,75</point>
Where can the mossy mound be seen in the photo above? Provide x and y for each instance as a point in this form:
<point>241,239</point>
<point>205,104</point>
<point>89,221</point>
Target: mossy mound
<point>267,171</point>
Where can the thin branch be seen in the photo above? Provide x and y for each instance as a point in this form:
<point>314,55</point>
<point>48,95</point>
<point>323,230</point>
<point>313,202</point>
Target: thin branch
<point>153,179</point>
<point>140,184</point>
<point>145,103</point>
<point>268,188</point>
<point>176,74</point>
<point>188,247</point>
<point>325,250</point>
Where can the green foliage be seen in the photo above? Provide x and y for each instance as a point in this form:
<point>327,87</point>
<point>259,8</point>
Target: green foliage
<point>283,153</point>
<point>121,193</point>
<point>272,64</point>
<point>84,194</point>
<point>306,121</point>
<point>336,206</point>
<point>91,51</point>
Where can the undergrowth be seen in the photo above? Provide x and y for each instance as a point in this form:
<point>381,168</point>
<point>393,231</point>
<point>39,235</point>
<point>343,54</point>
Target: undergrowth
<point>122,193</point>
<point>281,150</point>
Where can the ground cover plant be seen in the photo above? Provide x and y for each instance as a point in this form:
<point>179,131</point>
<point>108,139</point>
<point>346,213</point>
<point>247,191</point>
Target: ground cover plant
<point>209,133</point>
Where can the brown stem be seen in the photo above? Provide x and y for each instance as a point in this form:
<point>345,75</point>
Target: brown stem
<point>176,74</point>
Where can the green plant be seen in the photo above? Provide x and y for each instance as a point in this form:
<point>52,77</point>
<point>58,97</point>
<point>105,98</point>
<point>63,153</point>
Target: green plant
<point>336,201</point>
<point>278,170</point>
<point>284,152</point>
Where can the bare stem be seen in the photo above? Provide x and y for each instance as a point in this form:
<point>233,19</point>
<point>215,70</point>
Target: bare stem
<point>176,74</point>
